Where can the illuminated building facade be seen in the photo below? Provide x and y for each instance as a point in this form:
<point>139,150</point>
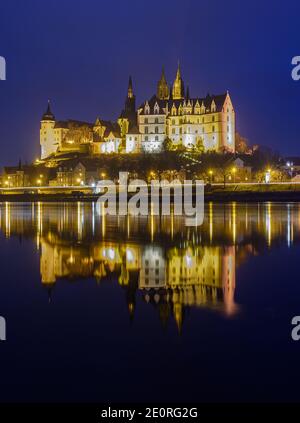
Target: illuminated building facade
<point>171,114</point>
<point>208,123</point>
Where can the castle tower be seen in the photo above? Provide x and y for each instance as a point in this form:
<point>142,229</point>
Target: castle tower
<point>47,139</point>
<point>178,86</point>
<point>162,87</point>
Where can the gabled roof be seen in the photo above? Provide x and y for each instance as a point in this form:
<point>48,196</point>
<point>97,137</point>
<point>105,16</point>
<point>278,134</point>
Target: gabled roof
<point>206,101</point>
<point>111,127</point>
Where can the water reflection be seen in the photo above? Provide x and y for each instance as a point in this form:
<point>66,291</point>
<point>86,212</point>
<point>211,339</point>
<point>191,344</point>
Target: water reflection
<point>172,267</point>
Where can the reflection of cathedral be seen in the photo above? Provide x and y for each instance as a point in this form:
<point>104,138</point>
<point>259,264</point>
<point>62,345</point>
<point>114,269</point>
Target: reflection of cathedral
<point>172,267</point>
<point>200,276</point>
<point>192,277</point>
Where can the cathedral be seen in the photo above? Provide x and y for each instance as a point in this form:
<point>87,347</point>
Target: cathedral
<point>169,118</point>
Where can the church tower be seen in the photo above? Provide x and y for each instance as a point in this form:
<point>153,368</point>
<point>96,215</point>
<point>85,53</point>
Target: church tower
<point>127,117</point>
<point>162,87</point>
<point>130,99</point>
<point>47,139</point>
<point>178,86</point>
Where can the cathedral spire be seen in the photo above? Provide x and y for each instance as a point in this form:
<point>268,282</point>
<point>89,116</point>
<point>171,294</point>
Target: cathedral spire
<point>178,75</point>
<point>178,86</point>
<point>187,92</point>
<point>128,114</point>
<point>162,87</point>
<point>130,89</point>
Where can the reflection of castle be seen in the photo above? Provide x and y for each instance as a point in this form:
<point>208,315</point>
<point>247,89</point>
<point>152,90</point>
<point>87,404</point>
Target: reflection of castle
<point>173,267</point>
<point>181,277</point>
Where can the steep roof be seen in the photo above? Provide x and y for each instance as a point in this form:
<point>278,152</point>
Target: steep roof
<point>111,127</point>
<point>48,115</point>
<point>206,101</point>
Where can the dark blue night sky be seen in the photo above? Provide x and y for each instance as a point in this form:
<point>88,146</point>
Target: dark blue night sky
<point>80,53</point>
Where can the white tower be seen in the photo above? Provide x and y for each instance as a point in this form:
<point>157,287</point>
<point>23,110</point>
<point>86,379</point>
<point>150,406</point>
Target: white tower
<point>47,139</point>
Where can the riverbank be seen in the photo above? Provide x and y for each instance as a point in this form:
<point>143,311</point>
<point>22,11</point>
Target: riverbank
<point>219,193</point>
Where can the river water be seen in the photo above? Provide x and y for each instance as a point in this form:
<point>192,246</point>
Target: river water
<point>146,309</point>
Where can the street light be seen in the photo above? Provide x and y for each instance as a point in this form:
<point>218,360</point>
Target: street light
<point>234,172</point>
<point>210,174</point>
<point>268,176</point>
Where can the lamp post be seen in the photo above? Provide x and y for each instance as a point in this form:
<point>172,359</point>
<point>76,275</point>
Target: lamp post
<point>234,172</point>
<point>268,176</point>
<point>210,175</point>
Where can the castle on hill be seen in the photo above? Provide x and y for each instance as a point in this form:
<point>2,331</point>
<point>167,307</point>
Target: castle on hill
<point>170,115</point>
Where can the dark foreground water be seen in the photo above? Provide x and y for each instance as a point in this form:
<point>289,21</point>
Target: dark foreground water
<point>144,309</point>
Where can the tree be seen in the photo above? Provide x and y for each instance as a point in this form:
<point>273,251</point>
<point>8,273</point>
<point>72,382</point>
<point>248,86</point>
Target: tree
<point>168,144</point>
<point>199,147</point>
<point>241,144</point>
